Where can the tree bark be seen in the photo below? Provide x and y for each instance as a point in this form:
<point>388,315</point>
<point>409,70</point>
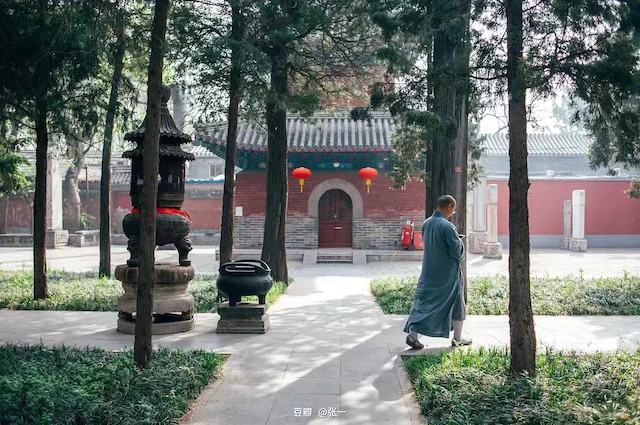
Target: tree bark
<point>4,209</point>
<point>273,249</point>
<point>104,268</point>
<point>450,82</point>
<point>522,330</point>
<point>235,89</point>
<point>40,290</point>
<point>146,270</point>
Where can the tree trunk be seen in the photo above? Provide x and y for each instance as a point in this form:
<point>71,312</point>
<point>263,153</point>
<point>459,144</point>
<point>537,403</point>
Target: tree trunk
<point>273,249</point>
<point>146,270</point>
<point>450,82</point>
<point>72,202</point>
<point>40,195</point>
<point>522,331</point>
<point>40,200</point>
<point>4,209</point>
<point>104,268</point>
<point>235,88</point>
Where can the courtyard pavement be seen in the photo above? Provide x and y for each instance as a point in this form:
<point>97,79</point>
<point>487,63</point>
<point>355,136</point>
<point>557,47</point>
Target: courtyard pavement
<point>330,350</point>
<point>553,262</point>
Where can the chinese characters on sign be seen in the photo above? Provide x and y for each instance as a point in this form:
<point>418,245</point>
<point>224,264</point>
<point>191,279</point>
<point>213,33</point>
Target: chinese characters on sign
<point>324,412</point>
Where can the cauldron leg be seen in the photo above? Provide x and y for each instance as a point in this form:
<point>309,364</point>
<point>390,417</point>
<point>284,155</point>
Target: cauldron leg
<point>183,246</point>
<point>233,300</point>
<point>262,299</point>
<point>132,247</point>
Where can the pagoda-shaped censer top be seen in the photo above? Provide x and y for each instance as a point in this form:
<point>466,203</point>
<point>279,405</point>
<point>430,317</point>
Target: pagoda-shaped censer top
<point>172,159</point>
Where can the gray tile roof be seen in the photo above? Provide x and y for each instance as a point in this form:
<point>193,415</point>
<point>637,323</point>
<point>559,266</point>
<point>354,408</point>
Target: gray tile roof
<point>541,144</point>
<point>120,176</point>
<point>339,133</point>
<point>198,151</point>
<point>320,133</point>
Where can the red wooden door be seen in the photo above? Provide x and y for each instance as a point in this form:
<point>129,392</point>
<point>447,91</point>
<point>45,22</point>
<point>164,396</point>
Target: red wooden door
<point>335,216</point>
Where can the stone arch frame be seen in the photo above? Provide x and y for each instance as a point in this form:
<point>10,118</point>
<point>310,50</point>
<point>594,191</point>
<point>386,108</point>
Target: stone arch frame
<point>345,186</point>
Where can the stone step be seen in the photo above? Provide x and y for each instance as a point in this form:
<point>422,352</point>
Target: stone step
<point>338,258</point>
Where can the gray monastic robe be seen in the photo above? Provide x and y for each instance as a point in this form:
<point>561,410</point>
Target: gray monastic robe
<point>439,296</point>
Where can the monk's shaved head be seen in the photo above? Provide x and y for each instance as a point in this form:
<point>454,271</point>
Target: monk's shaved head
<point>445,201</point>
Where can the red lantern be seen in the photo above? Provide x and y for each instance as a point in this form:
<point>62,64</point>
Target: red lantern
<point>368,174</point>
<point>301,174</point>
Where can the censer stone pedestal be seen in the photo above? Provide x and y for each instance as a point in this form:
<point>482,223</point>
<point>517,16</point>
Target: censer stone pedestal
<point>173,307</point>
<point>243,318</point>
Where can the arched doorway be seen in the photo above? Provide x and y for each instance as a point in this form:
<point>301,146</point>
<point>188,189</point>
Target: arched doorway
<point>335,220</point>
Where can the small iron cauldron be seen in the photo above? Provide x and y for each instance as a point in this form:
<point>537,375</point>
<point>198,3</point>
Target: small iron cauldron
<point>244,277</point>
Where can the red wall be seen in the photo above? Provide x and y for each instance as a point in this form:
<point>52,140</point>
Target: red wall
<point>383,201</point>
<point>608,210</point>
<point>206,213</point>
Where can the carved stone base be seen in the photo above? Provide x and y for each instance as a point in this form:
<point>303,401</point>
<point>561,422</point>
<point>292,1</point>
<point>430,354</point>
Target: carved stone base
<point>475,242</point>
<point>492,250</point>
<point>243,318</point>
<point>173,307</point>
<point>578,245</point>
<point>56,238</point>
<point>565,242</point>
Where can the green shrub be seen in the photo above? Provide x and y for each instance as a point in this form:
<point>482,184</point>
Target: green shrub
<point>476,387</point>
<point>62,385</point>
<point>550,296</point>
<point>86,292</point>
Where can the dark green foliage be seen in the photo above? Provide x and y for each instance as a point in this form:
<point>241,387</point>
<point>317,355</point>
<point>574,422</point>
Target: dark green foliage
<point>61,385</point>
<point>13,177</point>
<point>477,387</point>
<point>549,296</point>
<point>86,292</point>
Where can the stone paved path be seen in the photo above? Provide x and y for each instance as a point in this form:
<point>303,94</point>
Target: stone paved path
<point>329,347</point>
<point>596,262</point>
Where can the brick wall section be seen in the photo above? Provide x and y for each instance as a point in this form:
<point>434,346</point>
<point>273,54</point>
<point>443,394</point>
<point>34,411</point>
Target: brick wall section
<point>385,210</point>
<point>383,201</point>
<point>301,232</point>
<point>378,233</point>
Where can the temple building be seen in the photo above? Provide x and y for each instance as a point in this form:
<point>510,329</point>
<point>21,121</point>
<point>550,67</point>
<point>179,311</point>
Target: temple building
<point>334,209</point>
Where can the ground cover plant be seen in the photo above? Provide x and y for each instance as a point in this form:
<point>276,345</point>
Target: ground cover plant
<point>475,387</point>
<point>62,385</point>
<point>572,295</point>
<point>87,292</point>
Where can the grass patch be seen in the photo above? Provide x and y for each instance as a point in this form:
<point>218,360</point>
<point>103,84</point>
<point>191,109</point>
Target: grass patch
<point>86,292</point>
<point>40,385</point>
<point>572,295</point>
<point>475,387</point>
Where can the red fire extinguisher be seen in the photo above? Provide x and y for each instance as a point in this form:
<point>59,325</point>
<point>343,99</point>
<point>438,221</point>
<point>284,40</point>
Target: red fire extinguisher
<point>407,234</point>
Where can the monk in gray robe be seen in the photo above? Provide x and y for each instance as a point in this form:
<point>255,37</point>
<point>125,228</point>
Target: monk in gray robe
<point>438,306</point>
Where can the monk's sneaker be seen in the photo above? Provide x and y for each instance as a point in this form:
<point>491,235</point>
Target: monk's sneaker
<point>414,343</point>
<point>460,342</point>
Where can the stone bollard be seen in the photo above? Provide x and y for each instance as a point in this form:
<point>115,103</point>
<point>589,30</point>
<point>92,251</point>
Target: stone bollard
<point>478,233</point>
<point>566,224</point>
<point>577,242</point>
<point>492,248</point>
<point>56,235</point>
<point>173,307</point>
